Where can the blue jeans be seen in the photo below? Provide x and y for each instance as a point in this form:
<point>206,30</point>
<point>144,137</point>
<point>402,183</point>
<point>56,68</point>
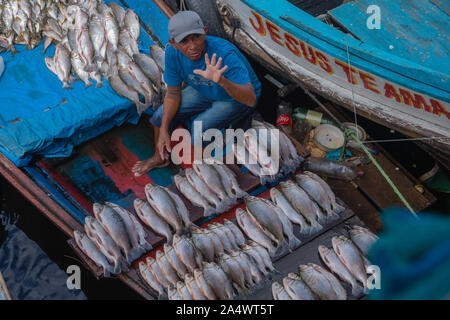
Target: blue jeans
<point>196,107</point>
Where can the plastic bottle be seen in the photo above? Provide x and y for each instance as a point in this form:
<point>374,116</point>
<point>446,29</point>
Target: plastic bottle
<point>284,117</point>
<point>331,168</point>
<point>313,117</point>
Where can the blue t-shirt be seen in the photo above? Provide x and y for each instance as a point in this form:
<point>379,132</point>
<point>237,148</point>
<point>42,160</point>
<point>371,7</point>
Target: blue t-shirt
<point>178,68</point>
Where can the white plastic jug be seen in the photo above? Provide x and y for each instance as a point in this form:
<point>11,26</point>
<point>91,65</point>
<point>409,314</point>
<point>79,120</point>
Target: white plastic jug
<point>2,66</point>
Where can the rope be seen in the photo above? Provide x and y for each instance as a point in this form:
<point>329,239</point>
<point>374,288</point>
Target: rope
<point>351,84</point>
<point>347,132</point>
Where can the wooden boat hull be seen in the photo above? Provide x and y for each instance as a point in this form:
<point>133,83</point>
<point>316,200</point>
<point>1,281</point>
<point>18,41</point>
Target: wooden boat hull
<point>286,46</point>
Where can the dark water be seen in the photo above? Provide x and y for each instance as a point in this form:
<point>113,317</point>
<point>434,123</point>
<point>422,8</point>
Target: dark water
<point>34,254</point>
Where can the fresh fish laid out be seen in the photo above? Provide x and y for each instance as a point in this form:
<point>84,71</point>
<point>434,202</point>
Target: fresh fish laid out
<point>235,231</point>
<point>193,287</point>
<point>333,263</point>
<point>301,202</point>
<point>203,243</point>
<point>150,279</point>
<point>350,257</point>
<point>315,190</point>
<point>193,195</point>
<point>217,280</point>
<point>169,273</point>
<point>149,216</point>
<point>362,238</point>
<point>336,207</point>
<point>199,184</point>
<point>169,206</point>
<point>203,285</point>
<point>157,272</point>
<point>187,252</point>
<point>233,270</point>
<point>174,260</point>
<point>87,33</point>
<point>296,288</point>
<point>279,293</point>
<point>90,249</point>
<point>321,282</point>
<point>116,227</point>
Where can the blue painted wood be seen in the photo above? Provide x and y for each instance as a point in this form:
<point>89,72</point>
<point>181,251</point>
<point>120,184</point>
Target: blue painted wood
<point>414,30</point>
<point>334,42</point>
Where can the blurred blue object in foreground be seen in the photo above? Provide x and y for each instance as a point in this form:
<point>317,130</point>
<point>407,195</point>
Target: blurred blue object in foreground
<point>413,256</point>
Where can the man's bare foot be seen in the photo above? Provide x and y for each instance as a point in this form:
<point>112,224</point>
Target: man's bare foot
<point>145,166</point>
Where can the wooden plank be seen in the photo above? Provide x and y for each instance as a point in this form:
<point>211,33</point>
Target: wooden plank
<point>305,254</point>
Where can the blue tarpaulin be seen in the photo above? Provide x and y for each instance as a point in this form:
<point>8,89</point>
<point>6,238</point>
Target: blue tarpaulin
<point>38,117</point>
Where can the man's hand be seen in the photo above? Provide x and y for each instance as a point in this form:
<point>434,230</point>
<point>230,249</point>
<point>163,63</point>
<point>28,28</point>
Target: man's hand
<point>163,146</point>
<point>213,71</point>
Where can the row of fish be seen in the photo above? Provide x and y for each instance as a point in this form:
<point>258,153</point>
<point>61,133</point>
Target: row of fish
<point>164,212</point>
<point>213,187</point>
<point>95,41</point>
<point>309,202</point>
<point>346,260</point>
<point>232,274</point>
<point>23,21</point>
<point>255,152</point>
<point>113,239</point>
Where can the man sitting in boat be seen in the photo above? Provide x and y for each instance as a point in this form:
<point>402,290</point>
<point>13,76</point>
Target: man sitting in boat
<point>222,86</point>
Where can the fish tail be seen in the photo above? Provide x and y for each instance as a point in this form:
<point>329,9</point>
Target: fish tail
<point>294,242</point>
<point>67,86</point>
<point>106,272</point>
<point>88,84</point>
<point>357,290</point>
<point>315,228</point>
<point>337,208</point>
<point>208,211</point>
<point>99,84</point>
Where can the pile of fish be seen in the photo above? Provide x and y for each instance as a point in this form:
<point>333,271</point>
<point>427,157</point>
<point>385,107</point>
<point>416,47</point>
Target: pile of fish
<point>23,21</point>
<point>255,152</point>
<point>165,213</point>
<point>93,41</point>
<point>347,260</point>
<point>215,263</point>
<point>211,186</point>
<point>113,239</point>
<point>309,203</point>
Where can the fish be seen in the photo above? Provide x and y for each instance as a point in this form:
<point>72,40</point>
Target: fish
<point>233,270</point>
<point>187,252</point>
<point>350,257</point>
<point>203,243</point>
<point>128,43</point>
<point>279,293</point>
<point>135,229</point>
<point>222,236</point>
<point>212,178</point>
<point>362,238</point>
<point>256,258</point>
<point>183,291</point>
<point>112,30</point>
<point>237,233</point>
<point>217,280</point>
<point>229,182</point>
<point>318,280</point>
<point>296,288</point>
<point>105,243</point>
<point>78,69</point>
<point>228,234</point>
<point>264,255</point>
<point>158,55</point>
<point>205,191</point>
<point>131,23</point>
<point>181,209</point>
<point>217,242</point>
<point>149,216</point>
<point>193,288</point>
<point>301,202</point>
<point>173,294</point>
<point>333,263</point>
<point>157,272</point>
<point>150,68</point>
<point>243,261</point>
<point>250,162</point>
<point>163,204</point>
<point>169,273</point>
<point>118,13</point>
<point>281,202</point>
<point>150,279</point>
<point>269,162</point>
<point>115,226</point>
<point>288,229</point>
<point>174,261</point>
<point>89,248</point>
<point>253,231</point>
<point>318,194</point>
<point>62,65</point>
<point>203,285</point>
<point>263,213</point>
<point>123,90</point>
<point>193,195</point>
<point>335,206</point>
<point>98,38</point>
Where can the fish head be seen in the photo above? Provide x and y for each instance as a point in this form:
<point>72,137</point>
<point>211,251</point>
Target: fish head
<point>159,255</point>
<point>142,266</point>
<point>167,248</point>
<point>206,265</point>
<point>336,241</point>
<point>188,278</point>
<point>150,261</point>
<point>304,268</point>
<point>98,208</point>
<point>198,273</point>
<point>138,203</point>
<point>240,212</point>
<point>323,250</point>
<point>276,287</point>
<point>78,236</point>
<point>176,239</point>
<point>274,192</point>
<point>294,276</point>
<point>89,220</point>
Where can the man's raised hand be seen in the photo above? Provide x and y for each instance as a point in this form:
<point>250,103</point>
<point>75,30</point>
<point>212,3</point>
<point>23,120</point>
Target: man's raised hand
<point>213,71</point>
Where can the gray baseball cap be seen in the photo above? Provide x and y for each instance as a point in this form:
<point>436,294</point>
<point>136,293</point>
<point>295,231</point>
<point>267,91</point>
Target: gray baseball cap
<point>185,23</point>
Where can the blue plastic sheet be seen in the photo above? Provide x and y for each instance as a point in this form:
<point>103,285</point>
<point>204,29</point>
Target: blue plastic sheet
<point>39,118</point>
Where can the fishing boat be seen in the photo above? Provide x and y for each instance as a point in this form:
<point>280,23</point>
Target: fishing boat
<point>386,60</point>
<point>65,150</point>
